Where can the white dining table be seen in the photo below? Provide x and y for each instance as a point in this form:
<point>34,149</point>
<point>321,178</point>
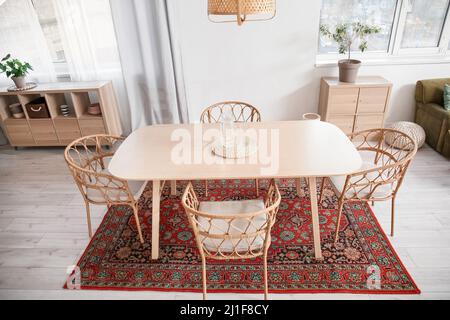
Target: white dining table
<point>297,149</point>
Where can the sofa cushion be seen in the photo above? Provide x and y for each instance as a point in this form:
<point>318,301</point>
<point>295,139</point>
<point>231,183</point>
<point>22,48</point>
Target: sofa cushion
<point>447,97</point>
<point>431,91</point>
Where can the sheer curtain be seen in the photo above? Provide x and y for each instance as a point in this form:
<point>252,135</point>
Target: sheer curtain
<point>21,35</point>
<point>151,61</point>
<point>146,74</point>
<point>90,47</point>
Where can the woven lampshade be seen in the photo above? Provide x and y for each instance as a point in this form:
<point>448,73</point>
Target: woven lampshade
<point>265,9</point>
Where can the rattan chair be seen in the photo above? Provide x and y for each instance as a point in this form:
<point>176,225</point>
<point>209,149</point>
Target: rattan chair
<point>232,230</point>
<point>241,112</point>
<point>88,159</point>
<point>384,168</point>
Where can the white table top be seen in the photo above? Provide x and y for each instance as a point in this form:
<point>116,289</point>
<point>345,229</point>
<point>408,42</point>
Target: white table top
<point>306,149</point>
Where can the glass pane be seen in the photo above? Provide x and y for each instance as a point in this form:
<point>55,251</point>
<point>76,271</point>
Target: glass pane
<point>47,19</point>
<point>424,23</point>
<point>374,12</point>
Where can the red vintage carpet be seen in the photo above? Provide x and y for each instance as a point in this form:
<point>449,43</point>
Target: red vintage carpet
<point>116,260</point>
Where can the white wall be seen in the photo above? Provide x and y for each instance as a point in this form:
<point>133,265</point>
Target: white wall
<point>271,64</point>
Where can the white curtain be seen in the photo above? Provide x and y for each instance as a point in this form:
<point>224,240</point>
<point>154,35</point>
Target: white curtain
<point>21,35</point>
<point>90,47</point>
<point>151,61</point>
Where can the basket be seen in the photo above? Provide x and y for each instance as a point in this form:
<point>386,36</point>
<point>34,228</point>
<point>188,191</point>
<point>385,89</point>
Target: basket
<point>37,109</point>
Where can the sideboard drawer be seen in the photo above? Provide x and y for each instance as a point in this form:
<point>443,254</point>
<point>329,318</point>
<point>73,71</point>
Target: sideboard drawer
<point>345,123</point>
<point>17,125</point>
<point>43,132</point>
<point>21,138</point>
<point>67,130</point>
<point>19,132</point>
<point>90,127</point>
<point>372,100</point>
<point>343,101</point>
<point>366,122</point>
<point>66,125</point>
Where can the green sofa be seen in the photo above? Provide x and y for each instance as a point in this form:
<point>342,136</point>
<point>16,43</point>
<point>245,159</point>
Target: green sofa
<point>431,115</point>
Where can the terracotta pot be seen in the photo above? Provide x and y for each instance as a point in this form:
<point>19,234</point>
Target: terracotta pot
<point>348,70</point>
<point>20,82</point>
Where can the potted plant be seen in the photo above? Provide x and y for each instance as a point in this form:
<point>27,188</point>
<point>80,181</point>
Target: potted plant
<point>346,35</point>
<point>15,69</point>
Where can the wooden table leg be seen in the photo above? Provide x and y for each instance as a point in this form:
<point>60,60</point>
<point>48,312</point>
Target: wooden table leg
<point>315,217</point>
<point>155,219</point>
<point>173,187</point>
<point>298,185</point>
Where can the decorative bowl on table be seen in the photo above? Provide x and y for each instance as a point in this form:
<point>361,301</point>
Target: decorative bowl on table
<point>241,148</point>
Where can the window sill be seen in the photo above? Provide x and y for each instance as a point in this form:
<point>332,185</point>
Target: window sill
<point>388,61</point>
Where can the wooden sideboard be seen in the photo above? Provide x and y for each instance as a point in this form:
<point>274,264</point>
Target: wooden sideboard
<point>59,130</point>
<point>356,106</point>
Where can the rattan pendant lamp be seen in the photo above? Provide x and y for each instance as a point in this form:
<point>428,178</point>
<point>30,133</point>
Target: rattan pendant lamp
<point>221,10</point>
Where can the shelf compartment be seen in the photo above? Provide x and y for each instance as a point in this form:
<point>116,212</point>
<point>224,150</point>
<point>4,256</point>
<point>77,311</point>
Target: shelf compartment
<point>5,102</point>
<point>82,101</point>
<point>25,99</point>
<point>55,101</point>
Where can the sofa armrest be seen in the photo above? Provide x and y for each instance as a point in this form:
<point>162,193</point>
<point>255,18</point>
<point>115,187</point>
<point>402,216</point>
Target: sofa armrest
<point>435,110</point>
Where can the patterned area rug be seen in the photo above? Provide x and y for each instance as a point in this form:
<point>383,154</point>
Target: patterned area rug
<point>116,260</point>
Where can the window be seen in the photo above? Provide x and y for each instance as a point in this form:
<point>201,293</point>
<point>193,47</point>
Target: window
<point>424,23</point>
<point>45,12</point>
<point>375,12</point>
<point>408,27</point>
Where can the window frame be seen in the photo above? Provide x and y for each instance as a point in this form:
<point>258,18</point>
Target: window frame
<point>395,54</point>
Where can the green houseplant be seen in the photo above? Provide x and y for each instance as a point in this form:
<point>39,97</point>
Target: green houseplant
<point>346,35</point>
<point>15,69</point>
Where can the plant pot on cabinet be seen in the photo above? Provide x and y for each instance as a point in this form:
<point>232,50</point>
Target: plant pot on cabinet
<point>348,70</point>
<point>20,82</point>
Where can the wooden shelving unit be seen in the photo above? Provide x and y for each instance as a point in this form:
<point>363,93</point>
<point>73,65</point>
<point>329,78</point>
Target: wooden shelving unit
<point>356,106</point>
<point>58,130</point>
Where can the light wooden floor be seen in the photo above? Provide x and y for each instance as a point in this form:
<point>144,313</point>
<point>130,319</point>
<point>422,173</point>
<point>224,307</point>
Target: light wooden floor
<point>43,230</point>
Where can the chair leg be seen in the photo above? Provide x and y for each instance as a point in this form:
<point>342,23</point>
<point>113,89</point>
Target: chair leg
<point>392,216</point>
<point>321,191</point>
<point>266,280</point>
<point>88,216</point>
<point>338,224</point>
<point>206,187</point>
<point>138,224</point>
<point>257,187</point>
<point>204,276</point>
